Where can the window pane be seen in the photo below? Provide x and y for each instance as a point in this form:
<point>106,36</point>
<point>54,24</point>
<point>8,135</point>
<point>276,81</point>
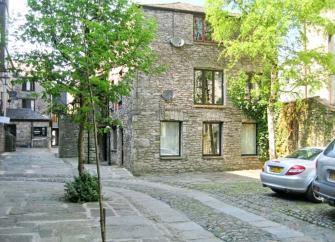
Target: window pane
<point>208,87</point>
<point>218,87</point>
<point>40,131</point>
<point>198,28</point>
<point>198,86</point>
<point>170,139</point>
<point>28,86</point>
<point>208,31</point>
<point>211,139</point>
<point>248,139</point>
<point>330,151</point>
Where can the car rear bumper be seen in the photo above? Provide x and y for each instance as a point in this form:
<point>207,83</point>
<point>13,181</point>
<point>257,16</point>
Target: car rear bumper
<point>286,183</point>
<point>326,191</point>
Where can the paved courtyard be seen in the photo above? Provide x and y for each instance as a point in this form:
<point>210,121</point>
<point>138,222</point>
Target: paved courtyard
<point>184,207</point>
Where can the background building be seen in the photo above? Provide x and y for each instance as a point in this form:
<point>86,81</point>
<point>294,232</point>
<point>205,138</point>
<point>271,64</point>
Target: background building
<point>4,76</point>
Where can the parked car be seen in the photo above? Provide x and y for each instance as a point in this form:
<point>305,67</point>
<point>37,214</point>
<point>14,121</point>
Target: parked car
<point>293,174</point>
<point>324,183</point>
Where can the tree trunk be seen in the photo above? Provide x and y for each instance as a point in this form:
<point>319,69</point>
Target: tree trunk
<point>271,130</point>
<point>81,151</point>
<point>271,112</point>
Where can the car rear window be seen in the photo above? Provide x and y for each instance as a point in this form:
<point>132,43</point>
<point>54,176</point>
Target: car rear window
<point>330,151</point>
<point>305,154</point>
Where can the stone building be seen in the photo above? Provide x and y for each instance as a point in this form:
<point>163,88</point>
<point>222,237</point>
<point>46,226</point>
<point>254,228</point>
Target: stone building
<point>182,120</point>
<point>30,128</point>
<point>30,121</point>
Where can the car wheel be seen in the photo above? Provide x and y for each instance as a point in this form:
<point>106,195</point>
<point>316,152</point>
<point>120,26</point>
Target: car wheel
<point>278,191</point>
<point>312,196</point>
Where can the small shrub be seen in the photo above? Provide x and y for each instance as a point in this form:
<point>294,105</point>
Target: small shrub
<point>84,188</point>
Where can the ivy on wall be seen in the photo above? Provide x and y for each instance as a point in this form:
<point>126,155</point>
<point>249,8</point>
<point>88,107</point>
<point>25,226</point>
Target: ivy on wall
<point>245,95</point>
<point>309,122</point>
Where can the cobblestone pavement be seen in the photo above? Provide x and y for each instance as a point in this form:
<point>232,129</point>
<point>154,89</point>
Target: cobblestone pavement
<point>314,220</point>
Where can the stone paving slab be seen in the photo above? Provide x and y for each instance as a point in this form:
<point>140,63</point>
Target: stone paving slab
<point>278,230</point>
<point>172,222</point>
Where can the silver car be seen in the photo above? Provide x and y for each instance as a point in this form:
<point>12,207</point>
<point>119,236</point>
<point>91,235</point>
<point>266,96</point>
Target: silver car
<point>324,184</point>
<point>294,173</point>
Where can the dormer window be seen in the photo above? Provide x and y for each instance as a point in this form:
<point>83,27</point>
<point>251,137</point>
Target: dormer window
<point>202,31</point>
<point>28,86</point>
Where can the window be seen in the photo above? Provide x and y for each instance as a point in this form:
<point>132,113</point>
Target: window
<point>248,139</point>
<point>211,139</point>
<point>28,86</point>
<point>170,138</point>
<point>208,87</point>
<point>202,31</point>
<point>28,103</point>
<point>40,131</point>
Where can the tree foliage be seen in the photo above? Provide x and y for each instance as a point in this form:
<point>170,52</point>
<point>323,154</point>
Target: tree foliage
<point>79,43</point>
<point>273,36</point>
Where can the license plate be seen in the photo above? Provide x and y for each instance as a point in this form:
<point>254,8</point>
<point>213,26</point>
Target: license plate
<point>276,169</point>
<point>332,176</point>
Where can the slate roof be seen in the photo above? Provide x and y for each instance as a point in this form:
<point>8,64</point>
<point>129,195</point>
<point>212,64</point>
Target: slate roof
<point>25,114</point>
<point>177,6</point>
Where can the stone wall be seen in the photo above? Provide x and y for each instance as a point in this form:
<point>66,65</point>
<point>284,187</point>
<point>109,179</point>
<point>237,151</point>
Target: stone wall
<point>310,122</point>
<point>24,136</point>
<point>68,138</point>
<point>145,109</point>
<point>2,138</point>
<point>41,105</point>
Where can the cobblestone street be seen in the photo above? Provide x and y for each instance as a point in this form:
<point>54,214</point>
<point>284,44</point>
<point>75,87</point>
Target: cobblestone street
<point>183,207</point>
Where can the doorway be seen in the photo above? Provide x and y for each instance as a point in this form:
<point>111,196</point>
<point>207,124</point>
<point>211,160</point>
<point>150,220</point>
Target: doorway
<point>103,146</point>
<point>122,147</point>
<point>54,137</point>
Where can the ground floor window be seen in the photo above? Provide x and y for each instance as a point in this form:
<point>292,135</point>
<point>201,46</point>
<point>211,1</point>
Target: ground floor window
<point>40,131</point>
<point>211,139</point>
<point>248,139</point>
<point>170,139</point>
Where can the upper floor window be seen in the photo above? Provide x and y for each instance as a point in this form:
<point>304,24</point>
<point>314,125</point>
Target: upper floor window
<point>208,87</point>
<point>202,31</point>
<point>28,86</point>
<point>28,103</point>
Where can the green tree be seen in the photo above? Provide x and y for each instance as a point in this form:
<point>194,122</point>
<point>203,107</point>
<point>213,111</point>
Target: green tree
<point>78,43</point>
<point>273,35</point>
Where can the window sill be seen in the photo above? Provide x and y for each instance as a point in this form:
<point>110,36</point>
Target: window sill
<point>219,106</point>
<point>199,42</point>
<point>171,157</point>
<point>209,157</point>
<point>249,155</point>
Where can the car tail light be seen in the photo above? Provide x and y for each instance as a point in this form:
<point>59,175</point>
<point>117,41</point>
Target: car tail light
<point>294,170</point>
